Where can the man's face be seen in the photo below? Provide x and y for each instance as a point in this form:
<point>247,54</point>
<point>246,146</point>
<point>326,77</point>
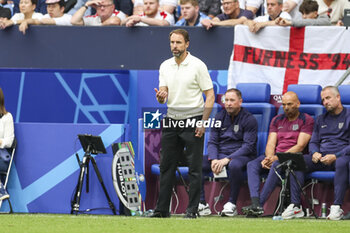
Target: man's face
<point>273,8</point>
<point>178,45</point>
<point>189,12</point>
<point>229,6</point>
<point>330,100</point>
<point>54,10</point>
<point>290,105</point>
<point>105,9</point>
<point>311,15</point>
<point>150,7</point>
<point>26,6</point>
<point>232,103</point>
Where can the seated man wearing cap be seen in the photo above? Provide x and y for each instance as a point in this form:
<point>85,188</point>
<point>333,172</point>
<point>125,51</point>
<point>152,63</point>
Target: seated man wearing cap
<point>106,14</point>
<point>54,16</point>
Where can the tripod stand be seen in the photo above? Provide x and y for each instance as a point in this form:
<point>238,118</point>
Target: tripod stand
<point>291,162</point>
<point>91,145</point>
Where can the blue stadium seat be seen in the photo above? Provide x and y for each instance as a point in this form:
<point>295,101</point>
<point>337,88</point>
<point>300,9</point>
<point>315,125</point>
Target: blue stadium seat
<point>256,98</point>
<point>317,176</point>
<point>344,91</point>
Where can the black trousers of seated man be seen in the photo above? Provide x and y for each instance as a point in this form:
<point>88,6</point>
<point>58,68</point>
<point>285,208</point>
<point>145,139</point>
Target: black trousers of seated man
<point>174,140</point>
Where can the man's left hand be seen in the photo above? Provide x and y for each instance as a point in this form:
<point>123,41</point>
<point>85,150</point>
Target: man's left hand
<point>200,131</point>
<point>328,159</point>
<point>220,165</point>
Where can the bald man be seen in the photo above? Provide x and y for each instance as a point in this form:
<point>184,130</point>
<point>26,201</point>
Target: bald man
<point>289,132</point>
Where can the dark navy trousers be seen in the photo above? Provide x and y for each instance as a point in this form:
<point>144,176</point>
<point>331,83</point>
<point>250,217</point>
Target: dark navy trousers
<point>254,170</point>
<point>341,178</point>
<point>235,170</point>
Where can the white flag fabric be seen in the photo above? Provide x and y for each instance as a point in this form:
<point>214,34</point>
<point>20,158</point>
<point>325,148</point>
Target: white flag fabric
<point>287,55</point>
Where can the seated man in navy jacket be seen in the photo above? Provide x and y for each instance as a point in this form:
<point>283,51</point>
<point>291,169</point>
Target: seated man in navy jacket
<point>330,147</point>
<point>231,146</point>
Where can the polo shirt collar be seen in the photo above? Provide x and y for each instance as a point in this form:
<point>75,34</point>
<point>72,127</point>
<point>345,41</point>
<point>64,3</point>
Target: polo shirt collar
<point>184,62</point>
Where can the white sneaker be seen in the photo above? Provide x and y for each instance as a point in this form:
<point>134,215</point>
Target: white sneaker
<point>229,210</point>
<point>292,212</point>
<point>336,213</point>
<point>204,210</point>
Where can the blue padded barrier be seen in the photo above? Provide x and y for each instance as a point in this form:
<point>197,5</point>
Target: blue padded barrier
<point>255,92</point>
<point>344,91</point>
<point>316,176</point>
<point>256,97</point>
<point>321,175</point>
<point>263,112</point>
<point>307,93</point>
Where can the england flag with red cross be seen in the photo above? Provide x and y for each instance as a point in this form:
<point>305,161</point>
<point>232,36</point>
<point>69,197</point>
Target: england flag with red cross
<point>287,55</point>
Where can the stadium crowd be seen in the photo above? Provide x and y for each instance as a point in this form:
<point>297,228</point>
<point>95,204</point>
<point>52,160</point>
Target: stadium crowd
<point>208,13</point>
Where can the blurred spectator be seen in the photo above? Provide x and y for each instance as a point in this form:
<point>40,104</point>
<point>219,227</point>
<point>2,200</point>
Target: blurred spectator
<point>334,9</point>
<point>40,6</point>
<point>210,7</point>
<point>7,4</point>
<point>274,10</point>
<point>27,12</point>
<point>5,13</point>
<point>7,135</point>
<point>308,9</point>
<point>168,6</point>
<point>55,16</point>
<point>106,14</point>
<point>190,14</point>
<point>68,5</point>
<point>125,6</point>
<point>232,15</point>
<point>252,5</point>
<point>152,16</point>
<point>292,7</point>
<point>78,5</point>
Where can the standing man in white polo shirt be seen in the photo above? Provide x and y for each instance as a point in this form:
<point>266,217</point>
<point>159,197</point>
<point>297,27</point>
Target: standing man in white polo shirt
<point>182,81</point>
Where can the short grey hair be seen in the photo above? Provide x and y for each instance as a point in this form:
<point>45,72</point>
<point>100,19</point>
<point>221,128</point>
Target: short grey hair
<point>334,89</point>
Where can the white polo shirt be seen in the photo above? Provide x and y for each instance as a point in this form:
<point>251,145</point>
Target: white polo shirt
<point>186,83</point>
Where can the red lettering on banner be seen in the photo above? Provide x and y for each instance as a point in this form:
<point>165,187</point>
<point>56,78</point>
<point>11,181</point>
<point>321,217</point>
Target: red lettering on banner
<point>294,59</point>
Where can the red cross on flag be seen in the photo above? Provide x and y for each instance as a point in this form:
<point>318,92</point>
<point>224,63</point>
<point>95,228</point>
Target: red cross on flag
<point>286,55</point>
